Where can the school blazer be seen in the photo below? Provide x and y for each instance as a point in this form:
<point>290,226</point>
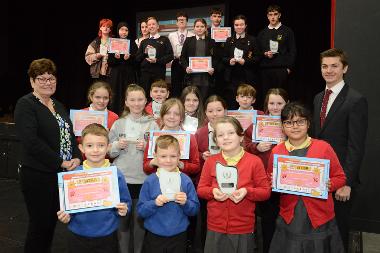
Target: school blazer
<point>188,50</point>
<point>345,129</point>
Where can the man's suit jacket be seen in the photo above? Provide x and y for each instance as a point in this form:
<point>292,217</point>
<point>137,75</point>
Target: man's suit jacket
<point>345,129</point>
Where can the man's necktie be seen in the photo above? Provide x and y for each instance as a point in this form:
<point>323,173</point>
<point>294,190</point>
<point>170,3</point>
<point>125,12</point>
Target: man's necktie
<point>181,39</point>
<point>324,105</point>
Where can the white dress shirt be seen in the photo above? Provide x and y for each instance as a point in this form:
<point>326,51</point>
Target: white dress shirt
<point>335,92</point>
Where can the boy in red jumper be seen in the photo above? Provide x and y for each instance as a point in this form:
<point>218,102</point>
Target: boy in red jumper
<point>231,218</point>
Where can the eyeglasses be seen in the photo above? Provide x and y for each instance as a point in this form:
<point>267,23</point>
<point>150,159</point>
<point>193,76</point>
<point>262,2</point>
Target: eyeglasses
<point>45,80</point>
<point>290,123</point>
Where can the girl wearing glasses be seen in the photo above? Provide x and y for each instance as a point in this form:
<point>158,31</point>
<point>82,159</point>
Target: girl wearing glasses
<point>275,101</point>
<point>306,224</point>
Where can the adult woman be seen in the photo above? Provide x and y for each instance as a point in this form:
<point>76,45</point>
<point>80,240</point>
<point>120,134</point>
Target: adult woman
<point>240,58</point>
<point>48,147</point>
<point>96,54</point>
<point>144,33</point>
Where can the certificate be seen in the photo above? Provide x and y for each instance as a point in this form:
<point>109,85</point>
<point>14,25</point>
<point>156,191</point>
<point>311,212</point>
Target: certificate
<point>170,183</point>
<point>200,64</point>
<point>245,117</point>
<point>267,129</point>
<point>227,178</point>
<point>120,46</point>
<point>220,34</point>
<point>301,176</point>
<point>82,118</point>
<point>183,138</point>
<point>87,190</point>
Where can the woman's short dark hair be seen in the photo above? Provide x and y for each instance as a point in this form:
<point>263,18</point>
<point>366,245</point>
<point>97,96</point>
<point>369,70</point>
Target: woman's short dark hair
<point>295,109</point>
<point>41,66</point>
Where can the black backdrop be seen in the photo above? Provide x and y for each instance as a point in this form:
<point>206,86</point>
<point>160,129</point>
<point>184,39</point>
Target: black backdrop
<point>63,32</point>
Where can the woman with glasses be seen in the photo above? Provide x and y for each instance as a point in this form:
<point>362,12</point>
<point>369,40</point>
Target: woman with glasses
<point>306,224</point>
<point>48,147</point>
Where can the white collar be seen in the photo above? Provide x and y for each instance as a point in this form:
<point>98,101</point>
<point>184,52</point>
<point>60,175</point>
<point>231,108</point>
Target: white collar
<point>241,36</point>
<point>210,129</point>
<point>245,109</point>
<point>200,37</point>
<point>156,36</point>
<point>184,32</point>
<point>275,27</point>
<point>90,108</point>
<point>337,87</point>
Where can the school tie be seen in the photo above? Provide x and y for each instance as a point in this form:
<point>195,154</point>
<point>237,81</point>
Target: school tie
<point>324,106</point>
<point>181,39</point>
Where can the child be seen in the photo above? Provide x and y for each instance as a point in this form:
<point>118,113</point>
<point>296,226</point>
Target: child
<point>128,141</point>
<point>241,56</point>
<point>96,230</point>
<point>159,92</point>
<point>123,70</point>
<point>198,45</point>
<point>245,96</point>
<point>172,115</point>
<point>275,101</point>
<point>306,224</point>
<point>195,115</point>
<point>99,96</point>
<point>153,66</point>
<point>166,219</point>
<point>231,218</point>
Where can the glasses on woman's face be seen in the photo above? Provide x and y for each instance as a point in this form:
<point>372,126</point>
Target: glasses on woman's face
<point>44,80</point>
<point>290,123</point>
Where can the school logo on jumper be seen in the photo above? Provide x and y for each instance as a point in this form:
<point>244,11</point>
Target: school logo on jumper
<point>279,37</point>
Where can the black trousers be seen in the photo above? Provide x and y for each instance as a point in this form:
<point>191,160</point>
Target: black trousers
<point>161,244</point>
<point>342,216</point>
<point>40,192</point>
<point>81,244</point>
<point>177,78</point>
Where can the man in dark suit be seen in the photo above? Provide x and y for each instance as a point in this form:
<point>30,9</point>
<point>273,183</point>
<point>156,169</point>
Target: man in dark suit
<point>341,119</point>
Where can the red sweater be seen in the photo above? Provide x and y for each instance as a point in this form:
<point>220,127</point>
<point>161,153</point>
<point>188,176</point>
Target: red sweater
<point>228,217</point>
<point>320,211</point>
<point>148,109</point>
<point>191,165</point>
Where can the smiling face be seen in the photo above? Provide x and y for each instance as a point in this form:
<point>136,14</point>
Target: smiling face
<point>239,26</point>
<point>135,101</point>
<point>172,118</point>
<point>144,29</point>
<point>95,149</point>
<point>227,138</point>
<point>105,29</point>
<point>297,132</point>
<point>216,19</point>
<point>199,28</point>
<point>181,22</point>
<point>159,94</point>
<point>332,70</point>
<point>214,111</point>
<point>100,99</point>
<point>167,158</point>
<point>152,26</point>
<point>44,85</point>
<point>275,104</point>
<point>191,103</point>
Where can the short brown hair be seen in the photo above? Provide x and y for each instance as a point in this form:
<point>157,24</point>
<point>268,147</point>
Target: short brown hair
<point>160,83</point>
<point>150,18</point>
<point>96,85</point>
<point>165,141</point>
<point>275,91</point>
<point>273,8</point>
<point>216,10</point>
<point>169,104</point>
<point>233,121</point>
<point>246,90</point>
<point>215,98</point>
<point>182,14</point>
<point>335,52</point>
<point>95,129</point>
<point>40,67</point>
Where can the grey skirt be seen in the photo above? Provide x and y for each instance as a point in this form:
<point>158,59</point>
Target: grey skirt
<point>229,243</point>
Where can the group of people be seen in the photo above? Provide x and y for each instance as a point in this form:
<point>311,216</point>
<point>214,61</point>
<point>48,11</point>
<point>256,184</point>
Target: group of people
<point>265,61</point>
<point>200,217</point>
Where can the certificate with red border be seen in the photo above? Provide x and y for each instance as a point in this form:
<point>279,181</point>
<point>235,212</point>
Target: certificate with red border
<point>267,129</point>
<point>245,117</point>
<point>82,118</point>
<point>183,138</point>
<point>301,176</point>
<point>200,64</point>
<point>220,34</point>
<point>89,189</point>
<point>120,46</point>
